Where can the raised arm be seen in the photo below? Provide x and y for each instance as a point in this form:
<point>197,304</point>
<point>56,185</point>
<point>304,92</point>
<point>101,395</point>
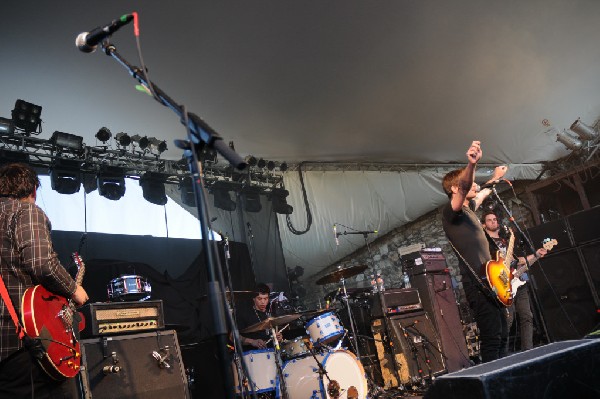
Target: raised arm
<point>467,177</point>
<point>499,173</point>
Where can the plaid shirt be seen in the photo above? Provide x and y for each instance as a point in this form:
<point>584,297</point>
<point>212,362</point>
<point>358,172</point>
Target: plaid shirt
<point>26,259</point>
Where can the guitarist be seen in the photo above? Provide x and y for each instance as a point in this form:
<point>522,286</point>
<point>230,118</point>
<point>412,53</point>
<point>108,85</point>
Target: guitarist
<point>465,233</point>
<point>521,304</point>
<point>26,259</point>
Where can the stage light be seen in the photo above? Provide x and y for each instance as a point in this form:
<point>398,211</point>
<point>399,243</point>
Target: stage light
<point>584,131</point>
<point>261,163</point>
<point>158,145</point>
<point>65,176</point>
<point>251,160</point>
<point>278,199</point>
<point>222,197</point>
<point>283,166</point>
<point>251,199</point>
<point>111,183</point>
<point>103,134</point>
<point>7,126</point>
<point>572,143</point>
<point>270,165</point>
<point>187,191</point>
<point>141,142</point>
<point>67,140</point>
<point>123,139</point>
<point>153,188</point>
<point>27,116</point>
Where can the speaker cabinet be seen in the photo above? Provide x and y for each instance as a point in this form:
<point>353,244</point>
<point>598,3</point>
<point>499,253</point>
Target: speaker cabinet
<point>437,297</point>
<point>417,351</point>
<point>565,295</point>
<point>567,369</point>
<point>591,255</point>
<point>556,229</point>
<point>130,366</point>
<point>585,225</point>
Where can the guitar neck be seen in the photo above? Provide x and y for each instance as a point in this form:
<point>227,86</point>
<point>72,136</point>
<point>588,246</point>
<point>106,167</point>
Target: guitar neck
<point>509,250</point>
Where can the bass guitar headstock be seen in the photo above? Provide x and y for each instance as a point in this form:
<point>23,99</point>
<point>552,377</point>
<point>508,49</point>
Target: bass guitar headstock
<point>549,243</point>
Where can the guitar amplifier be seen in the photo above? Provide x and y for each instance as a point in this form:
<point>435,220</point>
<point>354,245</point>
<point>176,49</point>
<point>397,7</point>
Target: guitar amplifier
<point>428,260</point>
<point>134,366</point>
<point>108,318</point>
<point>396,301</point>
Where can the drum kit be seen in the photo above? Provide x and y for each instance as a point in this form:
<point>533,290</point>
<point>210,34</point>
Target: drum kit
<point>308,366</point>
<point>129,288</point>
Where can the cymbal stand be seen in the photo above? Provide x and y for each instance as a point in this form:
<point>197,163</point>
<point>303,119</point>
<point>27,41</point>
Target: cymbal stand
<point>278,363</point>
<point>354,340</point>
<point>246,385</point>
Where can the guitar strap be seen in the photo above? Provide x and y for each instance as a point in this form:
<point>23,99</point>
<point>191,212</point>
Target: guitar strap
<point>485,287</point>
<point>11,309</point>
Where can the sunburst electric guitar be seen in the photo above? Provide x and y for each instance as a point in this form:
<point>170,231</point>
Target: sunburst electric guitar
<point>498,273</point>
<point>516,282</point>
<point>49,317</point>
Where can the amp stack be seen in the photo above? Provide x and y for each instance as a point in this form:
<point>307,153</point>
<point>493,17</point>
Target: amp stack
<point>400,322</point>
<point>126,353</point>
<point>429,274</point>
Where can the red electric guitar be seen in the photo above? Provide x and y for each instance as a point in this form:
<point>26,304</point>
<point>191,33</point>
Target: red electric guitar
<point>49,317</point>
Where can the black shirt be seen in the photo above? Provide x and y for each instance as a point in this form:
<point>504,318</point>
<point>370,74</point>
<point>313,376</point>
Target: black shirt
<point>465,232</point>
<point>247,316</point>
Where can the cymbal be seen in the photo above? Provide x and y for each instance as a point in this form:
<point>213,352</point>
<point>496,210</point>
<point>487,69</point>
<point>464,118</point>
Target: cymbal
<point>271,322</point>
<point>341,273</point>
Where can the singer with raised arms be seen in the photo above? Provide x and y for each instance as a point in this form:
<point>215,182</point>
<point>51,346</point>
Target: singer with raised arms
<point>468,239</point>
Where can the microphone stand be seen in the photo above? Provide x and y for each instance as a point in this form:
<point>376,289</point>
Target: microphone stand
<point>251,249</point>
<point>199,135</point>
<point>529,244</point>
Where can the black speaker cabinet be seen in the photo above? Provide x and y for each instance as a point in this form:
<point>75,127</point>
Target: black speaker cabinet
<point>144,365</point>
<point>568,369</point>
<point>591,255</point>
<point>565,295</point>
<point>585,225</point>
<point>437,297</point>
<point>556,229</point>
<point>417,352</point>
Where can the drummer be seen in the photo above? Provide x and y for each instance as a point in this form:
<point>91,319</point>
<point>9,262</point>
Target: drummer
<point>249,314</point>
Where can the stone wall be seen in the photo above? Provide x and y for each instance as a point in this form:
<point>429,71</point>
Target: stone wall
<point>384,255</point>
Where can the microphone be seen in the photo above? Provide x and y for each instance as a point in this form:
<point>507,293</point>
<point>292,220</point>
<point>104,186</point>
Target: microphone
<point>336,235</point>
<point>490,184</point>
<point>88,41</point>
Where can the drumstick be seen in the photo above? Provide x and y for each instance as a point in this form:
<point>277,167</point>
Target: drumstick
<point>271,339</point>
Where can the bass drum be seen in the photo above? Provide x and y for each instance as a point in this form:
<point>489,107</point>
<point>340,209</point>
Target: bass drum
<point>303,381</point>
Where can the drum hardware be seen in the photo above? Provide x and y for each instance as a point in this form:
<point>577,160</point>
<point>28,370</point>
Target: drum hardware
<point>129,288</point>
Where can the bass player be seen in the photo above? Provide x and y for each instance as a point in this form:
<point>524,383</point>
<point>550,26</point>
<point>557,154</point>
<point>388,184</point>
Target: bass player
<point>521,304</point>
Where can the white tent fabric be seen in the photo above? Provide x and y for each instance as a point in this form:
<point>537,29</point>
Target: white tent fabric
<point>357,200</point>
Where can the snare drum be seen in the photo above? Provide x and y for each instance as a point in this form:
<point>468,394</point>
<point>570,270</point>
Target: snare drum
<point>302,378</point>
<point>325,328</point>
<point>262,370</point>
<point>294,348</point>
<point>129,288</point>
